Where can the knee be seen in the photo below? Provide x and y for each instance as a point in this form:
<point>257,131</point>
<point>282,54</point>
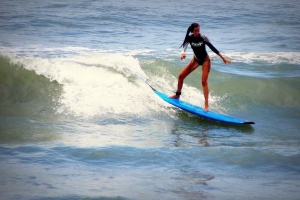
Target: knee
<point>204,83</point>
<point>181,77</point>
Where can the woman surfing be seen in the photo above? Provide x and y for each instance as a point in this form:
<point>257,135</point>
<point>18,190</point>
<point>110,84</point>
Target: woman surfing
<point>197,42</point>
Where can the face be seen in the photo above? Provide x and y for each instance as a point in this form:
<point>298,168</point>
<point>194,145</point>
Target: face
<point>196,31</point>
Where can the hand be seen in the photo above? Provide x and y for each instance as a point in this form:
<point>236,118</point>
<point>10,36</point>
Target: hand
<point>182,56</point>
<point>227,61</point>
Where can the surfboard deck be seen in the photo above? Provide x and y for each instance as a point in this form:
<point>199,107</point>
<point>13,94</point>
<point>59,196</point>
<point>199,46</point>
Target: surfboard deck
<point>197,110</point>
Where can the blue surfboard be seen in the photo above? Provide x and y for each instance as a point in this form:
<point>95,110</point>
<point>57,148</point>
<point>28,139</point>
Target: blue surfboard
<point>197,110</point>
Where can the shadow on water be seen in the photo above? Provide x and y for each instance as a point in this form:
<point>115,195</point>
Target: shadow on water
<point>189,130</point>
<point>181,140</point>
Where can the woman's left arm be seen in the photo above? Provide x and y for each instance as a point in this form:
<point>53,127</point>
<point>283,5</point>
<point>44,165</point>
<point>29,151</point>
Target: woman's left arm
<point>207,42</point>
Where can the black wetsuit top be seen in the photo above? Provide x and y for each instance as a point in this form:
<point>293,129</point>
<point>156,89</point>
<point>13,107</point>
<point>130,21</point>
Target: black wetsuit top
<point>198,46</point>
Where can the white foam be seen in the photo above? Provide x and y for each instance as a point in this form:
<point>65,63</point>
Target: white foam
<point>96,84</point>
<point>272,57</point>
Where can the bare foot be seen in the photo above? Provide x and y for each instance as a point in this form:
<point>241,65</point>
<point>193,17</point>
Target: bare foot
<point>205,108</point>
<point>174,96</point>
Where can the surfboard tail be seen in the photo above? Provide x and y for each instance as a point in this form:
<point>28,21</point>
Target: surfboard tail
<point>249,123</point>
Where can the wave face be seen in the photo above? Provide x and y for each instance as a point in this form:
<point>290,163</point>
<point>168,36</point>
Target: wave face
<point>86,86</point>
<point>104,84</point>
<point>25,93</point>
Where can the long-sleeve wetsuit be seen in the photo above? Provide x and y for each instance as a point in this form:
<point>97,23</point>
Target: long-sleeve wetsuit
<point>198,46</point>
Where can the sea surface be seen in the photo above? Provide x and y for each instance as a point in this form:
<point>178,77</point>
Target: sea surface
<point>78,122</point>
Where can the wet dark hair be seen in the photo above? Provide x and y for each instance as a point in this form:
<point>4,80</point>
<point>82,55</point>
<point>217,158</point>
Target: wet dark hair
<point>189,30</point>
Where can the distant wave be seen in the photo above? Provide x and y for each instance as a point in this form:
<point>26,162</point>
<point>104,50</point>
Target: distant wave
<point>271,57</point>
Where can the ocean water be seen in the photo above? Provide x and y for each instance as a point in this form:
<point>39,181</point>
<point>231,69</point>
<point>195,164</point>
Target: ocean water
<point>77,122</point>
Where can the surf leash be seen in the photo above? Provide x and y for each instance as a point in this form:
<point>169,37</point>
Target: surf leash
<point>151,84</point>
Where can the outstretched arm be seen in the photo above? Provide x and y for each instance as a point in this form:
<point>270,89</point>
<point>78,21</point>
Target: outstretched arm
<point>206,40</point>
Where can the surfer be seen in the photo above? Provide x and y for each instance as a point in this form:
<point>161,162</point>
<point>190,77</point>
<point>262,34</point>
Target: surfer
<point>197,42</point>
